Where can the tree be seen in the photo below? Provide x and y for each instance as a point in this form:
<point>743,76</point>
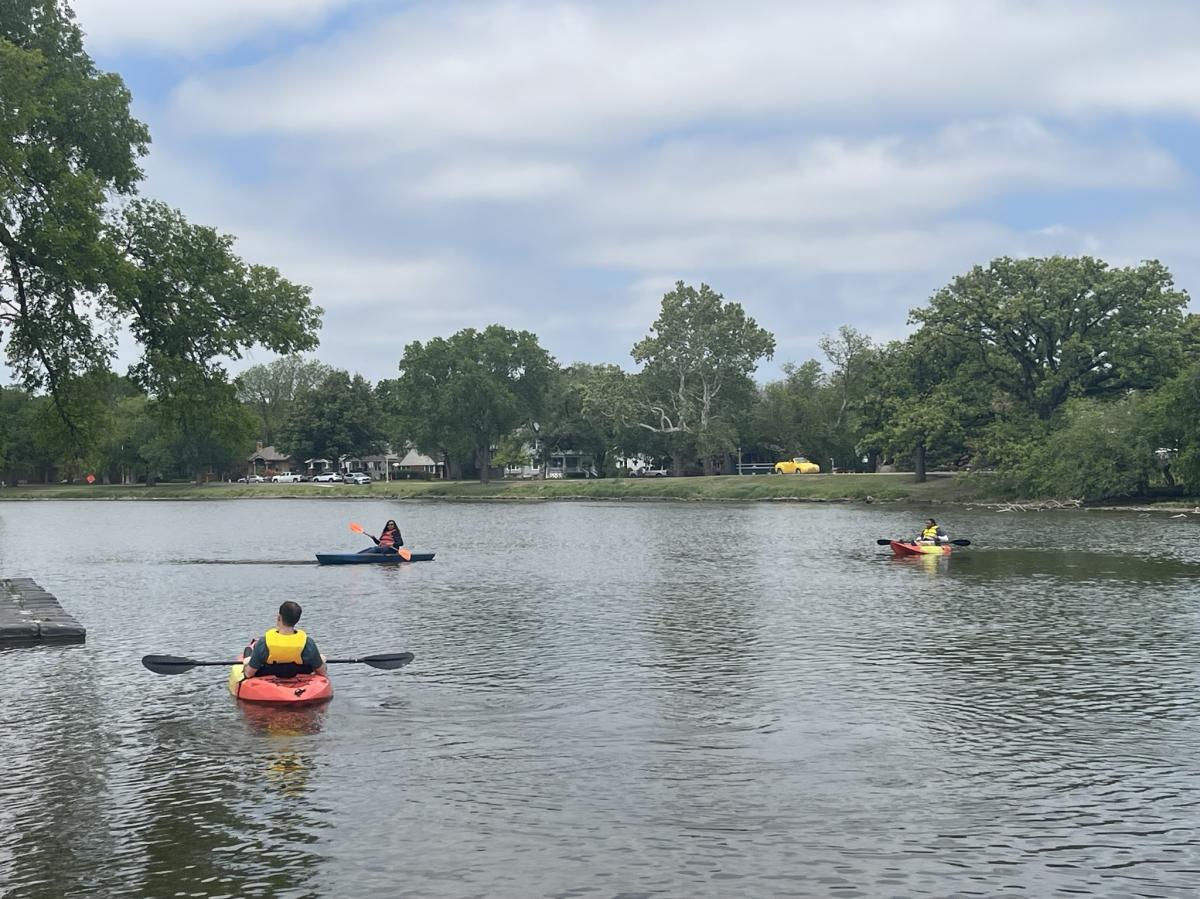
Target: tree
<point>270,390</point>
<point>1044,330</point>
<point>793,415</point>
<point>458,397</point>
<point>1092,450</point>
<point>339,417</point>
<point>79,257</point>
<point>587,409</point>
<point>696,371</point>
<point>920,402</point>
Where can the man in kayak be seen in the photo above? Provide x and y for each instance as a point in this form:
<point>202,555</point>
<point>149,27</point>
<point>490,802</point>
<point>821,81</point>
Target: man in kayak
<point>284,650</point>
<point>388,541</point>
<point>932,535</point>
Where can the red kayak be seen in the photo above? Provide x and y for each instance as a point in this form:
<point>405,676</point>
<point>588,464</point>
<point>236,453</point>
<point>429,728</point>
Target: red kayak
<point>902,548</point>
<point>303,689</point>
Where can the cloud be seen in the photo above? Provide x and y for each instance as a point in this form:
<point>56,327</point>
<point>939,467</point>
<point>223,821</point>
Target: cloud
<point>192,27</point>
<point>566,74</point>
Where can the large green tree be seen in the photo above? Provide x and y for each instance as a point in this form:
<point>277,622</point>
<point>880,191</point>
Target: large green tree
<point>458,396</point>
<point>696,368</point>
<point>1044,330</point>
<point>81,258</point>
<point>339,417</point>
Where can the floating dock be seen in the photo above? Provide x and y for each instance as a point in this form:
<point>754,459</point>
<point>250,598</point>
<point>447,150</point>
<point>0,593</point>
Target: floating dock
<point>29,614</point>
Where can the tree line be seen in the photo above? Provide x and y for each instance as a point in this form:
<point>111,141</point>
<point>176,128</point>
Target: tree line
<point>1059,376</point>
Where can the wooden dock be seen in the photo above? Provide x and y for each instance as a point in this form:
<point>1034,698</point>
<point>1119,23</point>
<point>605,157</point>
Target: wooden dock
<point>29,614</point>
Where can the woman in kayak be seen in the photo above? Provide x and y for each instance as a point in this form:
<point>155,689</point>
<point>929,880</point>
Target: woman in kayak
<point>388,541</point>
<point>284,650</point>
<point>932,534</point>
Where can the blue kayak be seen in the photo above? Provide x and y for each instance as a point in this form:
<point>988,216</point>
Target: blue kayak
<point>370,558</point>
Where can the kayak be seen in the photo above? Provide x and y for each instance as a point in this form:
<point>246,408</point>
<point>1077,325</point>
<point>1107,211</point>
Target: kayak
<point>303,689</point>
<point>901,548</point>
<point>370,558</point>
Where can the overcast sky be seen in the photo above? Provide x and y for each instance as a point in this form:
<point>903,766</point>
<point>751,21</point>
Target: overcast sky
<point>556,166</point>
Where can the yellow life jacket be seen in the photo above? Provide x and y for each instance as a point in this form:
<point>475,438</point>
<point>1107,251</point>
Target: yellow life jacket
<point>930,533</point>
<point>285,648</point>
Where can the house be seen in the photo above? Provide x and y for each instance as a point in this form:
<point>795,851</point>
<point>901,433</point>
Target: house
<point>317,466</point>
<point>266,460</point>
<point>415,463</point>
<point>564,464</point>
<point>391,466</point>
<point>571,464</point>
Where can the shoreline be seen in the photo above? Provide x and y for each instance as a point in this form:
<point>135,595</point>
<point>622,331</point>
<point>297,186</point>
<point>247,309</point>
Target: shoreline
<point>867,489</point>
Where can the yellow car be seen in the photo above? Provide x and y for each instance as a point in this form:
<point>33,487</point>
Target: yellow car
<point>798,465</point>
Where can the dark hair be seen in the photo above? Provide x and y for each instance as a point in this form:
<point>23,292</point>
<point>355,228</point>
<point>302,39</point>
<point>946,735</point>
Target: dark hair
<point>290,613</point>
<point>931,521</point>
<point>391,523</point>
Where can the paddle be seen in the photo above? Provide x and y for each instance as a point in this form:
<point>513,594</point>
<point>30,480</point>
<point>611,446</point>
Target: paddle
<point>403,553</point>
<point>388,661</point>
<point>884,541</point>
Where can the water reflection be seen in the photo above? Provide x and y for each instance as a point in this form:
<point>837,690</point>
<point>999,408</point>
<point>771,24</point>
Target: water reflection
<point>612,699</point>
<point>283,721</point>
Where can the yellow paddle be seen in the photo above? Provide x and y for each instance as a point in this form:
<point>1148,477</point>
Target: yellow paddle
<point>404,553</point>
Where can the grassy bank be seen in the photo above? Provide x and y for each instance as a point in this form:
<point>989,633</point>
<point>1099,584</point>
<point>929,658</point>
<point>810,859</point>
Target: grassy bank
<point>811,488</point>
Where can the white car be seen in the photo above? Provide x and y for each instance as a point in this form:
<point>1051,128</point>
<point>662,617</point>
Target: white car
<point>252,479</point>
<point>329,477</point>
<point>287,477</point>
<point>358,477</point>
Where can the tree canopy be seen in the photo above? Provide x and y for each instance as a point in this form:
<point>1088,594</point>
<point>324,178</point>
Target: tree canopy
<point>458,396</point>
<point>82,258</point>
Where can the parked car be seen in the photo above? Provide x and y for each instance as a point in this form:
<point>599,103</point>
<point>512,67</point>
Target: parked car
<point>329,477</point>
<point>797,465</point>
<point>358,477</point>
<point>252,479</point>
<point>287,477</point>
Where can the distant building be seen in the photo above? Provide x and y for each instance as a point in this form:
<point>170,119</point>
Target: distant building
<point>266,460</point>
<point>390,466</point>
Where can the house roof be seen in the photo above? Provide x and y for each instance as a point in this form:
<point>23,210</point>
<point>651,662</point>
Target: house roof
<point>267,454</point>
<point>413,458</point>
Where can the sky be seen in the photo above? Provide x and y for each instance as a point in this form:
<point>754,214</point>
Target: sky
<point>558,166</point>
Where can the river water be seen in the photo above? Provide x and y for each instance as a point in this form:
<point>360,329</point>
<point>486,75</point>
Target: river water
<point>609,700</point>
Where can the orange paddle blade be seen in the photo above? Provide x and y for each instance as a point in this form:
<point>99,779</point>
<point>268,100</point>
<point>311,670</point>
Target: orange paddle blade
<point>404,554</point>
<point>357,528</point>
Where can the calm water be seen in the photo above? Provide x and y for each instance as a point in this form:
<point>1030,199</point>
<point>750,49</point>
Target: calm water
<point>609,700</point>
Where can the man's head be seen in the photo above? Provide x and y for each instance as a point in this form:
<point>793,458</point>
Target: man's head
<point>289,613</point>
<point>930,523</point>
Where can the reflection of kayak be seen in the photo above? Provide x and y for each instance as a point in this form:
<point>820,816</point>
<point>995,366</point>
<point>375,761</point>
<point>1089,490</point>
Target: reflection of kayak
<point>369,558</point>
<point>901,548</point>
<point>303,689</point>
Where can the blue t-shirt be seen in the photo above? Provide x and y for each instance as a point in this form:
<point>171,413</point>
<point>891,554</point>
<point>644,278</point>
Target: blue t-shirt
<point>309,656</point>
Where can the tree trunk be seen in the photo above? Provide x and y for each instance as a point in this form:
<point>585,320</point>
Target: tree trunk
<point>483,463</point>
<point>919,463</point>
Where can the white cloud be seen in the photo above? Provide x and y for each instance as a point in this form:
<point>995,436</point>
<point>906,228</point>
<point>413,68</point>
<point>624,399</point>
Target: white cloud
<point>191,27</point>
<point>497,179</point>
<point>581,73</point>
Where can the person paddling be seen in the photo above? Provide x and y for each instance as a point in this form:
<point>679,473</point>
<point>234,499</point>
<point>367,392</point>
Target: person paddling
<point>389,539</point>
<point>932,534</point>
<point>284,650</point>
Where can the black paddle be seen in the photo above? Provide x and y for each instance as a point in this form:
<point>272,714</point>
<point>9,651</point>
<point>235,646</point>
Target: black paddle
<point>884,541</point>
<point>388,661</point>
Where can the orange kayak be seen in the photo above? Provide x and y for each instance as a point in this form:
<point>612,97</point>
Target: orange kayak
<point>303,689</point>
<point>902,548</point>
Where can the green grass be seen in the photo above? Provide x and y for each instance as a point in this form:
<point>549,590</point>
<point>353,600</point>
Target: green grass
<point>812,488</point>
